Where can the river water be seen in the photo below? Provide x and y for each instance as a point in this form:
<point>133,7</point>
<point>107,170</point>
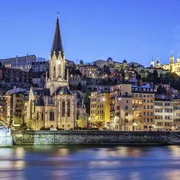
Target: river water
<point>90,163</point>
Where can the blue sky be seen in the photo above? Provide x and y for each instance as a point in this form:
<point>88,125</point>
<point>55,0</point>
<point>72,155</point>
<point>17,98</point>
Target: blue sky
<point>134,30</point>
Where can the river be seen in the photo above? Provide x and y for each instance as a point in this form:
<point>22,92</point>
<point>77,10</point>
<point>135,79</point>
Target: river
<point>90,163</point>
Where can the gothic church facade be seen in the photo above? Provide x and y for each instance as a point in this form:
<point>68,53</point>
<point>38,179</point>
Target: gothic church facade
<point>53,106</point>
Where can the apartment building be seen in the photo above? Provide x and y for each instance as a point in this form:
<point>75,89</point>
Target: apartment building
<point>121,107</point>
<point>100,108</point>
<point>164,120</point>
<point>143,107</point>
<point>24,62</point>
<point>88,70</point>
<point>176,113</point>
<point>41,66</point>
<point>4,109</point>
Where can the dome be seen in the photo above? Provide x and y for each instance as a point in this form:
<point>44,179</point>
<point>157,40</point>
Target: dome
<point>125,61</point>
<point>109,59</point>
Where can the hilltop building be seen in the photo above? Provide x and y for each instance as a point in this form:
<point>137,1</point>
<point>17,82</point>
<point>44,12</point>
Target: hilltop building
<point>173,66</point>
<point>24,63</point>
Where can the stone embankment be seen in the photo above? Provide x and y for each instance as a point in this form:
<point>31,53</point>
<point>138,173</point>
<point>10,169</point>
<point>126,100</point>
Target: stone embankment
<point>95,137</point>
<point>5,137</point>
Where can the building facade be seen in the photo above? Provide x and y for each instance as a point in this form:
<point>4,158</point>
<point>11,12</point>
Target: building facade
<point>100,109</point>
<point>88,70</point>
<point>176,113</point>
<point>143,107</point>
<point>10,77</point>
<point>172,66</point>
<point>24,63</point>
<point>121,107</point>
<point>5,109</point>
<point>164,120</point>
<point>53,107</point>
<point>40,66</point>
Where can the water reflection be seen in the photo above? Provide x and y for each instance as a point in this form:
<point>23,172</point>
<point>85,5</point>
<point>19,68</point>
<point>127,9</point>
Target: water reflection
<point>73,162</point>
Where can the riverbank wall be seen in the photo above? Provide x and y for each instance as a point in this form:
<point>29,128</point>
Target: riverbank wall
<point>95,137</point>
<point>5,137</point>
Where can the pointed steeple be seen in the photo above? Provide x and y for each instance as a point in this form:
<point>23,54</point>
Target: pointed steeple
<point>57,41</point>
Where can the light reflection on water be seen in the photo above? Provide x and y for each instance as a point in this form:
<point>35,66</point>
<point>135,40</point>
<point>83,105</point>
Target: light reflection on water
<point>73,162</point>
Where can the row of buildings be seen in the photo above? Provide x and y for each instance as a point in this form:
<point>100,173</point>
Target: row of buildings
<point>135,107</point>
<point>53,94</point>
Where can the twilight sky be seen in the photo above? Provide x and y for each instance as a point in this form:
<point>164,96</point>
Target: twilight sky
<point>134,30</point>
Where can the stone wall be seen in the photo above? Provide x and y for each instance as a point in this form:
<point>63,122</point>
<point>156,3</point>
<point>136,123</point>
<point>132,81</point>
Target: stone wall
<point>5,137</point>
<point>6,141</point>
<point>95,137</point>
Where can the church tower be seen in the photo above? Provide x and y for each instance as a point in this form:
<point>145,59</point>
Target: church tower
<point>152,62</point>
<point>171,63</point>
<point>57,77</point>
<point>158,65</point>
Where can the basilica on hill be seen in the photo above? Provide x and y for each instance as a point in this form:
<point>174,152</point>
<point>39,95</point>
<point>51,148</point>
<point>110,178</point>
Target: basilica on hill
<point>173,66</point>
<point>53,106</point>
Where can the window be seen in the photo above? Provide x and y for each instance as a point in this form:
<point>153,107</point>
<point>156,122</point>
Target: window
<point>63,108</point>
<point>126,107</point>
<point>68,108</point>
<point>37,115</point>
<point>51,116</point>
<point>42,117</point>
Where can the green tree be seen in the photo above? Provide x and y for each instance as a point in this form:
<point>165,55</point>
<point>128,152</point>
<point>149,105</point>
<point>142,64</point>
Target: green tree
<point>82,121</point>
<point>81,62</point>
<point>87,103</point>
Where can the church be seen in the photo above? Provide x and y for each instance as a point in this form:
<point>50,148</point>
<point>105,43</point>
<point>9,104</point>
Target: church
<point>173,66</point>
<point>54,106</point>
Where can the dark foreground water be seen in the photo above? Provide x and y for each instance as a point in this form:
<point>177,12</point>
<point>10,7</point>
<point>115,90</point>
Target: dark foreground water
<point>99,163</point>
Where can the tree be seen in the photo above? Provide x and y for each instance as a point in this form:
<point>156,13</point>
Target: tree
<point>82,121</point>
<point>87,103</point>
<point>107,69</point>
<point>81,62</point>
<point>97,123</point>
<point>79,87</point>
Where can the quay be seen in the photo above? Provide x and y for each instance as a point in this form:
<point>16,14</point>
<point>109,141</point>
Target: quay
<point>86,137</point>
<point>5,137</point>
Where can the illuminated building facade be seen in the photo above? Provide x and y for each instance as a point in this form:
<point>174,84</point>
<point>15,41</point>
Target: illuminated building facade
<point>176,113</point>
<point>143,107</point>
<point>164,120</point>
<point>88,70</point>
<point>172,66</point>
<point>24,63</point>
<point>54,106</point>
<point>121,107</point>
<point>100,108</point>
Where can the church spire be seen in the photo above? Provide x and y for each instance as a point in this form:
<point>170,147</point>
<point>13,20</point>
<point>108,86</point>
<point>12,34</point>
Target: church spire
<point>57,41</point>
